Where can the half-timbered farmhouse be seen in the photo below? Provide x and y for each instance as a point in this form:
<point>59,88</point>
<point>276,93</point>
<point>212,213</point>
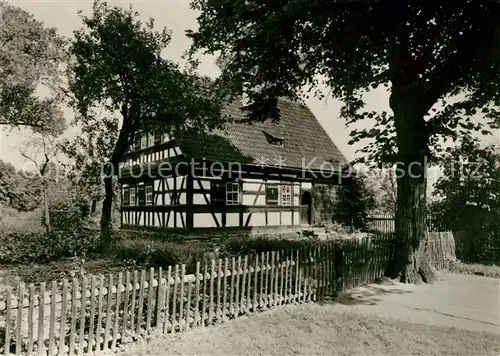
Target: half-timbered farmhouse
<point>243,177</point>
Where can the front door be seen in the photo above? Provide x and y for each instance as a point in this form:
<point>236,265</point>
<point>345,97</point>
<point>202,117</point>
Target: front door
<point>305,208</point>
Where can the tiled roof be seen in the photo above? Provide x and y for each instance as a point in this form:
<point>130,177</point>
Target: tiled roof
<point>303,138</point>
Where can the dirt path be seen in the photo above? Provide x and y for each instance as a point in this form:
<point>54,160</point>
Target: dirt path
<point>461,301</point>
<point>459,315</point>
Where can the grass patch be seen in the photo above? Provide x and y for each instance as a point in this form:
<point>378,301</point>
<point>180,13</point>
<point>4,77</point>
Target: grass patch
<point>320,330</point>
<point>475,269</point>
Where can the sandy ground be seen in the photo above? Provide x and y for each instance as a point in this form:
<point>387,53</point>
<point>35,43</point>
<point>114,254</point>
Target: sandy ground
<point>455,300</point>
<point>459,315</point>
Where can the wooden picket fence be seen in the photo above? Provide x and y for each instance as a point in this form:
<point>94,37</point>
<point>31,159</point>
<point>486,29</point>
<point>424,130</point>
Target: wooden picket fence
<point>94,313</point>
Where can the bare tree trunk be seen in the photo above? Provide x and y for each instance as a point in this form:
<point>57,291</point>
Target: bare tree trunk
<point>46,213</point>
<point>106,213</point>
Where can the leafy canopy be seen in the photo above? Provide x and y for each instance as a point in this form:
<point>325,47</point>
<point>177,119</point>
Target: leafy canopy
<point>31,56</point>
<point>117,67</point>
<point>470,181</point>
<point>424,52</point>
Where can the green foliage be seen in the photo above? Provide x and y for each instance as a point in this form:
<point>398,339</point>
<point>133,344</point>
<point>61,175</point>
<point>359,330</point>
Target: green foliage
<point>117,66</point>
<point>356,199</point>
<point>244,245</point>
<point>423,53</point>
<point>42,247</point>
<point>469,200</point>
<point>30,55</point>
<point>17,190</point>
<point>64,214</point>
<point>155,253</point>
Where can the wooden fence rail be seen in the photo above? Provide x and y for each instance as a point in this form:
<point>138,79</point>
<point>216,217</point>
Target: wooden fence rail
<point>101,312</point>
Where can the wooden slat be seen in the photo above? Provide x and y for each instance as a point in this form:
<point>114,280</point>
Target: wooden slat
<point>297,280</point>
<point>233,286</point>
<point>276,280</point>
<point>107,323</point>
<point>286,295</point>
<point>19,319</point>
<point>8,320</point>
<point>261,287</point>
<point>159,298</point>
<point>52,316</point>
<point>211,301</point>
<point>72,332</point>
<point>282,273</point>
<point>117,310</point>
<point>243,285</point>
<point>224,289</point>
<point>197,296</point>
<point>41,317</point>
<point>140,308</point>
<point>266,281</point>
<point>31,312</point>
<point>255,284</point>
<point>204,298</point>
<point>149,311</point>
<point>218,311</point>
<point>100,307</point>
<point>181,298</point>
<point>237,299</point>
<point>188,305</point>
<point>174,299</point>
<point>167,301</point>
<point>271,281</point>
<point>248,299</point>
<point>133,323</point>
<point>82,314</point>
<point>126,304</point>
<point>93,286</point>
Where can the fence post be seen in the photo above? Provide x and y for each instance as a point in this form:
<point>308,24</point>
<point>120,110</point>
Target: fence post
<point>108,312</point>
<point>31,312</point>
<point>19,321</point>
<point>92,315</point>
<point>224,287</point>
<point>197,297</point>
<point>117,310</point>
<point>174,300</point>
<point>149,311</point>
<point>233,286</point>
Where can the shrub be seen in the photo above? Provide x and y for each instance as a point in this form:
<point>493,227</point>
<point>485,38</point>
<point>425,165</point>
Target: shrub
<point>41,247</point>
<point>154,253</point>
<point>243,245</point>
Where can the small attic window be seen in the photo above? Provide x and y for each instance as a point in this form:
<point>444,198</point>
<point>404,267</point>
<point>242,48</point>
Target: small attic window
<point>273,140</point>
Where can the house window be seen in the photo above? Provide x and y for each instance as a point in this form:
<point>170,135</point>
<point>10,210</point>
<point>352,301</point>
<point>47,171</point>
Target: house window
<point>232,193</point>
<point>151,139</point>
<point>217,192</point>
<point>149,195</point>
<point>144,141</point>
<point>165,138</point>
<point>126,196</point>
<point>286,195</point>
<point>272,194</point>
<point>132,196</point>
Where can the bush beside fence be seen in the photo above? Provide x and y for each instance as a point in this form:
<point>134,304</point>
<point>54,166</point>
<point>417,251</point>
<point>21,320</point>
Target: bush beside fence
<point>96,312</point>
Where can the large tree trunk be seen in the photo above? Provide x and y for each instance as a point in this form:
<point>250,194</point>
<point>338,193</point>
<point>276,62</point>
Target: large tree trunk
<point>410,262</point>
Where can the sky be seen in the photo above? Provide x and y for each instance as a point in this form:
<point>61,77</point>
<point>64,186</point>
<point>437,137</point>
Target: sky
<point>177,16</point>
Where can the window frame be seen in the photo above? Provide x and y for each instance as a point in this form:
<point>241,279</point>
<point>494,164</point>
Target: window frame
<point>133,193</point>
<point>151,139</point>
<point>288,194</point>
<point>144,142</point>
<point>146,194</point>
<point>274,201</point>
<point>231,192</point>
